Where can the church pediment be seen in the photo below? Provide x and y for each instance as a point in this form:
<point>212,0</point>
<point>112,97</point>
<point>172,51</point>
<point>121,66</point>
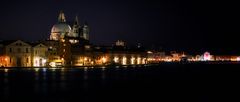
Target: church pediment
<point>19,43</point>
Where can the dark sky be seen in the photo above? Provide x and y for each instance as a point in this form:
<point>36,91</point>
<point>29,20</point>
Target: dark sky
<point>192,25</point>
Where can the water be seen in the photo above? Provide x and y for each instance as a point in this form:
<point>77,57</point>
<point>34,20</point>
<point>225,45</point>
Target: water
<point>164,82</point>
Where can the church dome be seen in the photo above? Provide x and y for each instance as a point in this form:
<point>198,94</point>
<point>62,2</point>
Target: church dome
<point>61,28</point>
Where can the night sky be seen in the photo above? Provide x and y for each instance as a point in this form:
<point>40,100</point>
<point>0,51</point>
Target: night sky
<point>190,25</point>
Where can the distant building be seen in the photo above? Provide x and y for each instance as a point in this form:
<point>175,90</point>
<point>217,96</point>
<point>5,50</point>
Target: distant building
<point>18,54</point>
<point>62,30</point>
<point>39,55</point>
<point>120,43</point>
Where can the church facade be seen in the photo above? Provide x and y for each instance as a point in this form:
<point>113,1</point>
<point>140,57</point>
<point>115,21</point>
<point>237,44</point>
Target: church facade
<point>62,30</point>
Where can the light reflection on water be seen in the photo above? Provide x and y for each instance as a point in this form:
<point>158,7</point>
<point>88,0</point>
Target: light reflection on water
<point>46,80</point>
<point>6,82</point>
<point>98,84</point>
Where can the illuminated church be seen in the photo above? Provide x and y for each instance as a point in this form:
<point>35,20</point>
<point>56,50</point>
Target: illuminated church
<point>75,34</point>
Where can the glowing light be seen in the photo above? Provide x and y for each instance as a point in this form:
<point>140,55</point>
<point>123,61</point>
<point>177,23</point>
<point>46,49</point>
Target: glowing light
<point>206,56</point>
<point>124,60</point>
<point>116,59</point>
<point>103,67</point>
<point>44,61</point>
<point>138,60</point>
<point>5,70</point>
<point>85,69</point>
<point>144,61</point>
<point>36,69</point>
<point>104,60</point>
<point>149,52</point>
<point>52,64</point>
<point>39,62</point>
<point>85,58</point>
<point>238,58</point>
<point>132,60</point>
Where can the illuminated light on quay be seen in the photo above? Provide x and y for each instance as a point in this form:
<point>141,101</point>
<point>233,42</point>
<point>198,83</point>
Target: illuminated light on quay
<point>124,60</point>
<point>132,60</point>
<point>144,61</point>
<point>85,58</point>
<point>103,68</point>
<point>149,52</point>
<point>138,60</point>
<point>238,58</point>
<point>6,70</point>
<point>52,64</point>
<point>39,62</point>
<point>206,56</point>
<point>104,59</point>
<point>36,69</point>
<point>85,69</point>
<point>116,59</point>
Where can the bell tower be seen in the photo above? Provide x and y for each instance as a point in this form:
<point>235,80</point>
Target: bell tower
<point>85,31</point>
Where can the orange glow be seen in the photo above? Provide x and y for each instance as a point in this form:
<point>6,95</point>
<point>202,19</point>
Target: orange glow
<point>104,60</point>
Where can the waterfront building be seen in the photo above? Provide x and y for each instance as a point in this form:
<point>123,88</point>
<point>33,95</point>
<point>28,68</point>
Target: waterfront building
<point>156,56</point>
<point>69,46</point>
<point>53,54</point>
<point>39,55</point>
<point>82,55</point>
<point>17,54</point>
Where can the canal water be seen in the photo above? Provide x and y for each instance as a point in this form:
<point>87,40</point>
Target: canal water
<point>164,82</point>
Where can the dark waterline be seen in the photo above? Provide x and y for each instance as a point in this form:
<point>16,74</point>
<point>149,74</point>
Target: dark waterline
<point>164,82</point>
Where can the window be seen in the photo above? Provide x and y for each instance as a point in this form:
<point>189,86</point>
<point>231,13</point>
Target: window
<point>19,50</point>
<point>27,60</point>
<point>10,49</point>
<point>26,50</point>
<point>36,52</point>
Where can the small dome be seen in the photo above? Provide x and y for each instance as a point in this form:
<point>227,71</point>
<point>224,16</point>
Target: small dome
<point>61,28</point>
